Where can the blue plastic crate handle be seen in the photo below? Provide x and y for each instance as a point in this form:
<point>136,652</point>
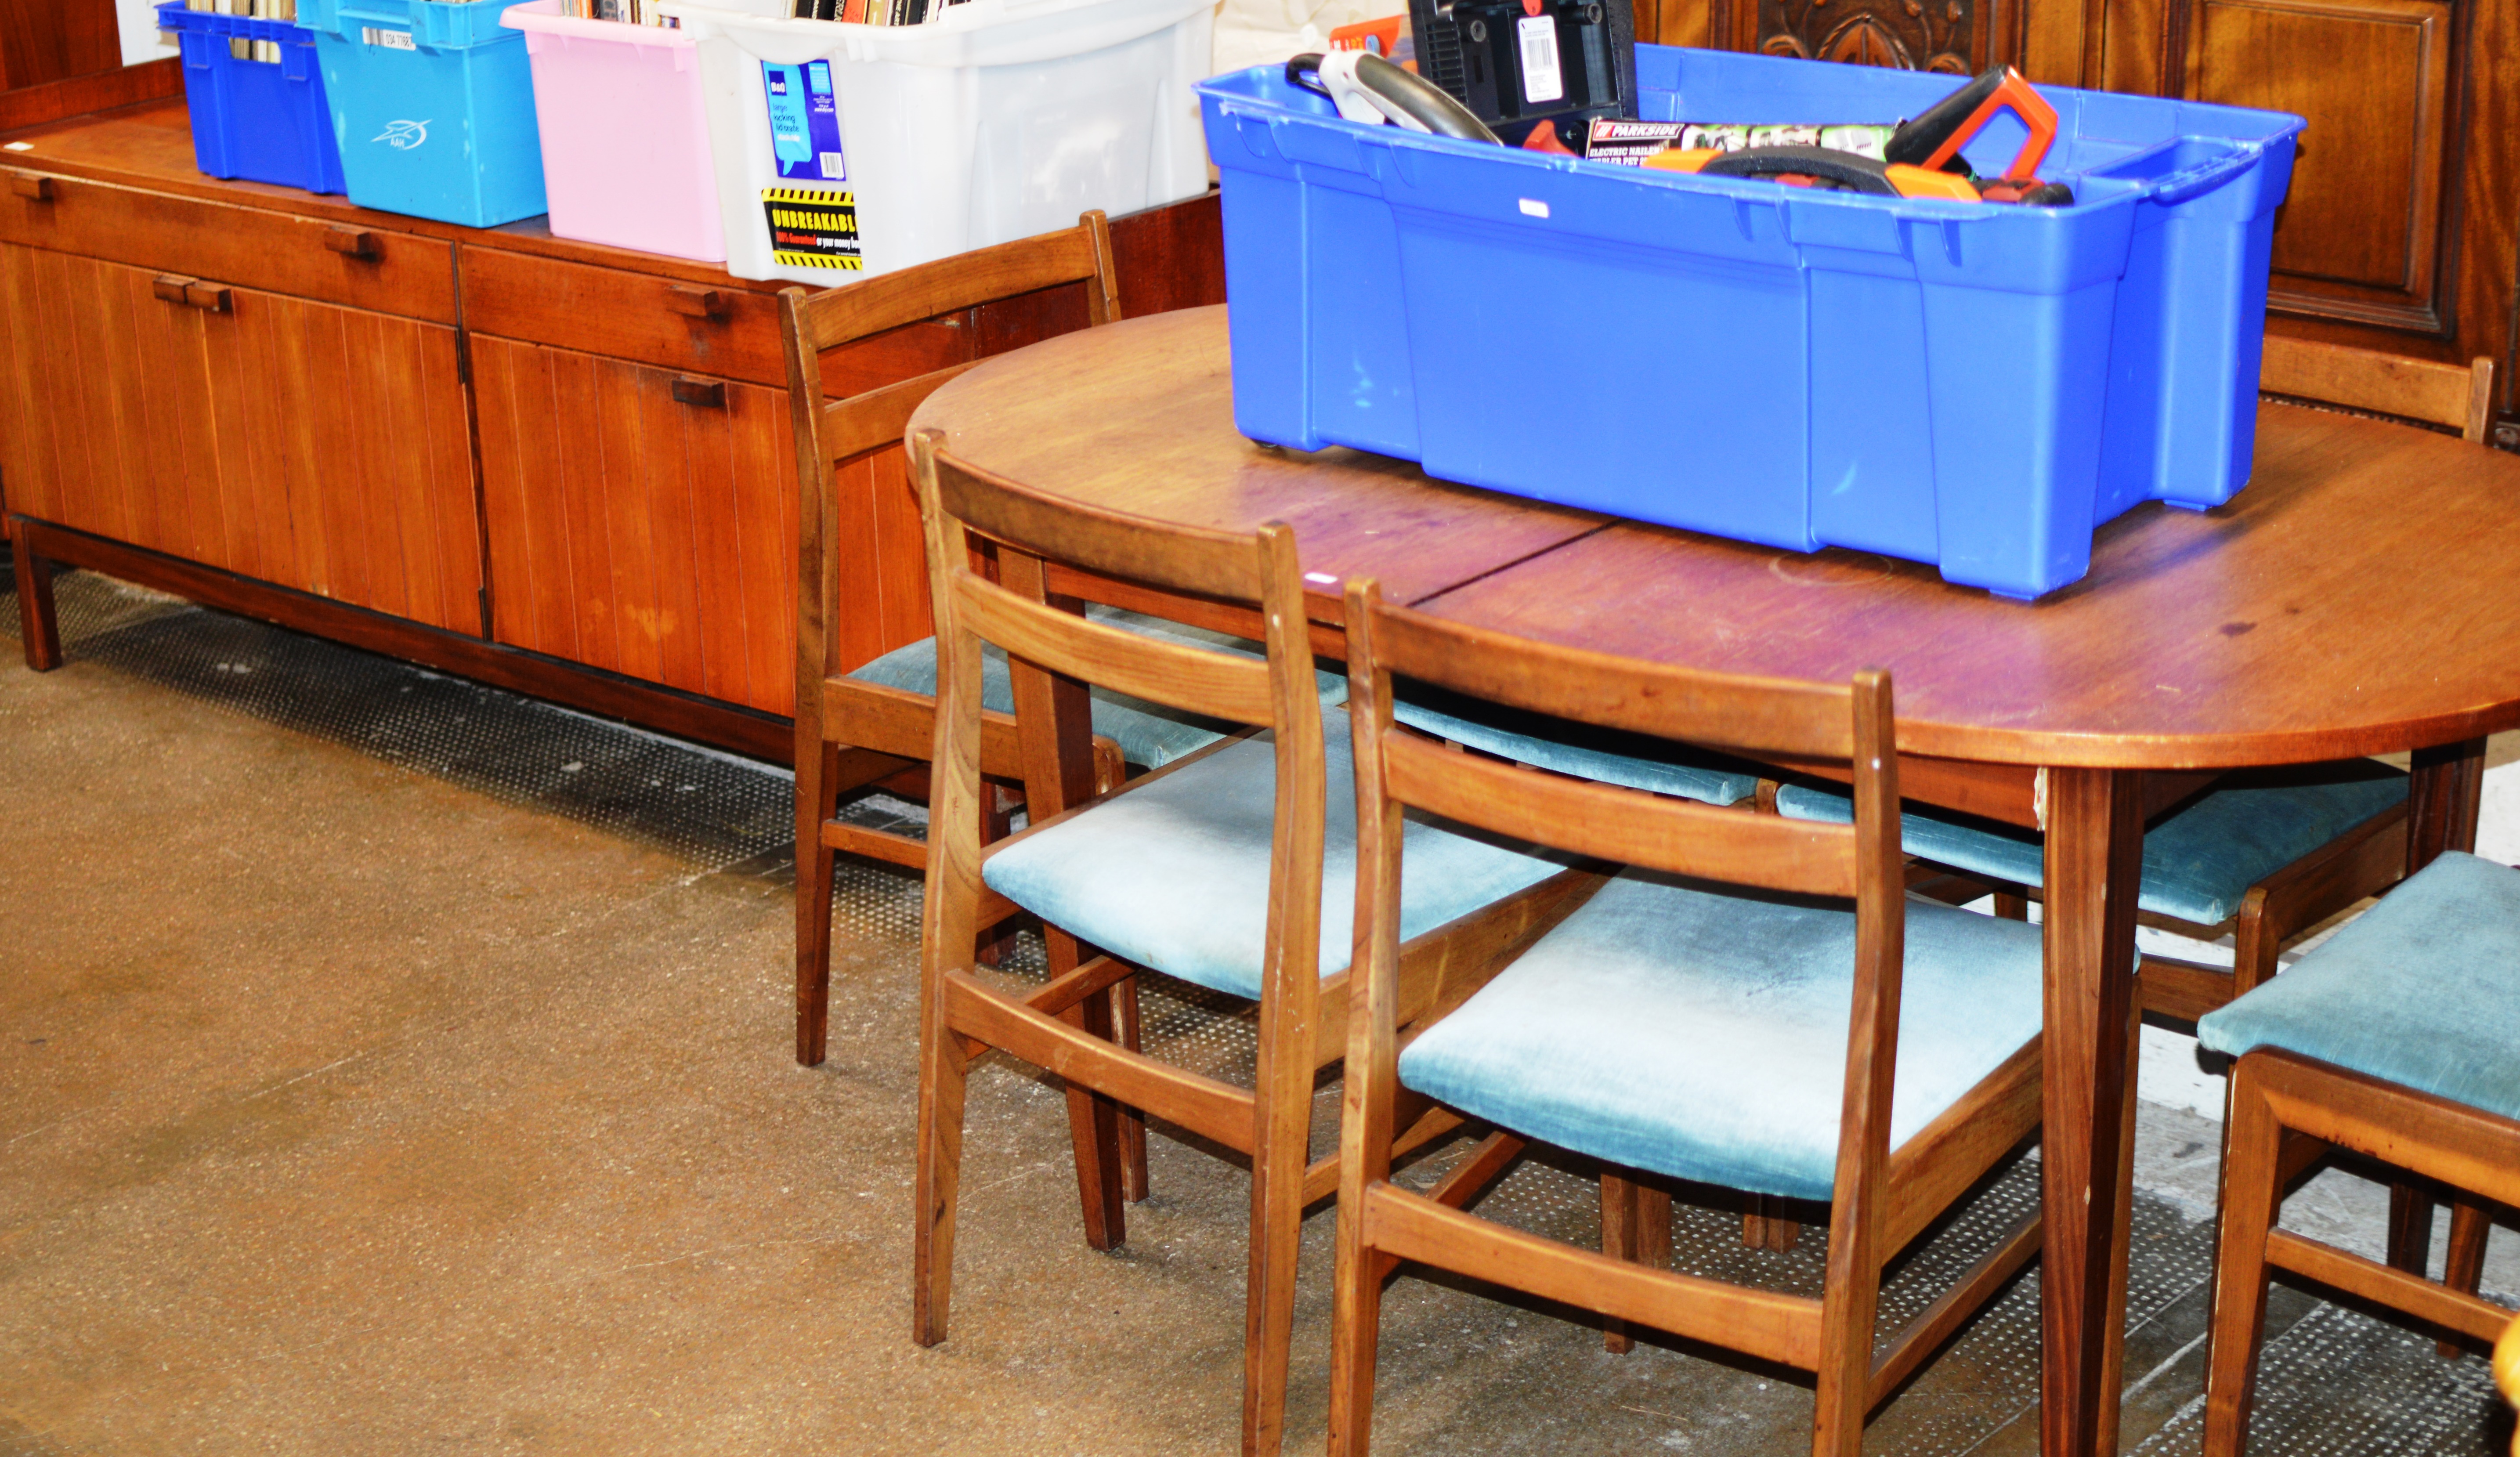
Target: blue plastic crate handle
<point>2179,186</point>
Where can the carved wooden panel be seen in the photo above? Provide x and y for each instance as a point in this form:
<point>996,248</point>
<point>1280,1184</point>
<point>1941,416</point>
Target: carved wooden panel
<point>1911,35</point>
<point>2362,235</point>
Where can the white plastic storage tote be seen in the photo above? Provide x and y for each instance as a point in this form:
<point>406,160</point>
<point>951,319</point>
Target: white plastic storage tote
<point>993,121</point>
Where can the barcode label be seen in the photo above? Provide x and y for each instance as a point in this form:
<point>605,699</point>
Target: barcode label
<point>836,167</point>
<point>1541,78</point>
<point>391,40</point>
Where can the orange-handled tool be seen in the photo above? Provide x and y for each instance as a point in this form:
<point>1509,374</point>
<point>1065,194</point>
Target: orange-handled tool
<point>1936,136</point>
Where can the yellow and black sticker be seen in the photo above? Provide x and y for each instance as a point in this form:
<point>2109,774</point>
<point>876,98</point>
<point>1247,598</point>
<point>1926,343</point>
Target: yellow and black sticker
<point>811,228</point>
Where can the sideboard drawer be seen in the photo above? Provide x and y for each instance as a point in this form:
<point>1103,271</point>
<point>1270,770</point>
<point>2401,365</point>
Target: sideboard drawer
<point>350,264</point>
<point>724,329</point>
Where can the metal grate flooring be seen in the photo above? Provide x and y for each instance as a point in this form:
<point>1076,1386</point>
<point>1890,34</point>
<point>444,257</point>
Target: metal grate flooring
<point>2335,1383</point>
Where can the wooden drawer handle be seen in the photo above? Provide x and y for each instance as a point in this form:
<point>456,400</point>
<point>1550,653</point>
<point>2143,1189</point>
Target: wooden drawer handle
<point>354,243</point>
<point>192,292</point>
<point>699,303</point>
<point>29,185</point>
<point>709,394</point>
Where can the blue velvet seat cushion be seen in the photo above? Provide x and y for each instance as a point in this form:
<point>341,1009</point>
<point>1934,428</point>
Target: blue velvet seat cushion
<point>1173,872</point>
<point>1634,760</point>
<point>2198,862</point>
<point>1150,735</point>
<point>1701,1031</point>
<point>2422,990</point>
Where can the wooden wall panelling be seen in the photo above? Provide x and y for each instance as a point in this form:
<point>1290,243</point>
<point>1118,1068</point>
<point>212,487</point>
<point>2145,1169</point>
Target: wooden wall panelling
<point>1953,36</point>
<point>2362,234</point>
<point>44,41</point>
<point>2402,232</point>
<point>96,91</point>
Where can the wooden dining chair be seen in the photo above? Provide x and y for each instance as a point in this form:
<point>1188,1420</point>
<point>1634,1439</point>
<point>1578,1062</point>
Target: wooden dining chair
<point>2366,379</point>
<point>2394,1039</point>
<point>1228,868</point>
<point>1716,1012</point>
<point>874,720</point>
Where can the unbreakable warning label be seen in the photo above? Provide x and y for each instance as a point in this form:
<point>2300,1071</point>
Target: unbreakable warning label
<point>810,228</point>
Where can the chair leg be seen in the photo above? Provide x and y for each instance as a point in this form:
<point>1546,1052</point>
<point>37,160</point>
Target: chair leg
<point>943,1067</point>
<point>1849,1307</point>
<point>1133,1122</point>
<point>1093,1119</point>
<point>2466,1266</point>
<point>2012,905</point>
<point>1281,1147</point>
<point>39,625</point>
<point>1618,1242</point>
<point>2411,1226</point>
<point>2250,1190</point>
<point>817,798</point>
<point>1763,1227</point>
<point>1654,1226</point>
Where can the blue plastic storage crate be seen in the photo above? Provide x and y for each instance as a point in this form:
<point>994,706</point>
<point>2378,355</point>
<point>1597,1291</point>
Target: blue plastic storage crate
<point>261,120</point>
<point>434,106</point>
<point>1972,385</point>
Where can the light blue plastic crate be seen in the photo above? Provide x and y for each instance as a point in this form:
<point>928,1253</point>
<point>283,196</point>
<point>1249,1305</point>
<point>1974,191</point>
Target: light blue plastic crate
<point>1976,386</point>
<point>263,120</point>
<point>433,106</point>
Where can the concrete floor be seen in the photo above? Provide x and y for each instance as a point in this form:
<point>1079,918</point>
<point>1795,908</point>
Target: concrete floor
<point>391,1066</point>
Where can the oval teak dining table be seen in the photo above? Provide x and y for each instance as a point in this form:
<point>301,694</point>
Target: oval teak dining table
<point>2362,596</point>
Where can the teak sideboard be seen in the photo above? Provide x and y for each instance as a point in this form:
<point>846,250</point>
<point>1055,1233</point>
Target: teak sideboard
<point>556,466</point>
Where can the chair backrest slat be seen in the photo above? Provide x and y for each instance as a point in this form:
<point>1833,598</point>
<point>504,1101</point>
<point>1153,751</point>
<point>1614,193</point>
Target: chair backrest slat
<point>1617,824</point>
<point>2460,397</point>
<point>877,418</point>
<point>1755,714</point>
<point>1180,558</point>
<point>890,301</point>
<point>1195,680</point>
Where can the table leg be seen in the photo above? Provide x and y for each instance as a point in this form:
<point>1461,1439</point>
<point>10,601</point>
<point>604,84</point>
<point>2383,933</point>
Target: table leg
<point>2442,805</point>
<point>2095,859</point>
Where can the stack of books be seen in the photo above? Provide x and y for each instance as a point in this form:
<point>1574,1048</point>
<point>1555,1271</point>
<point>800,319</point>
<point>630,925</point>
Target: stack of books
<point>627,12</point>
<point>870,12</point>
<point>266,51</point>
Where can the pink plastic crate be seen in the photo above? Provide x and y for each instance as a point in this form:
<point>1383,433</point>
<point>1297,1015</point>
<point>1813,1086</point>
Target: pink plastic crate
<point>625,134</point>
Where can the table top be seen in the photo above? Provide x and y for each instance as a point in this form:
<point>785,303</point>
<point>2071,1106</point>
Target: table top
<point>2361,596</point>
<point>1139,417</point>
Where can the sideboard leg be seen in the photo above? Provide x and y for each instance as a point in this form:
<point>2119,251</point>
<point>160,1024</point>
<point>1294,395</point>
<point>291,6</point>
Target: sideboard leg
<point>38,625</point>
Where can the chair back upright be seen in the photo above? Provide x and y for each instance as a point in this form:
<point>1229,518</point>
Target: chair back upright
<point>830,433</point>
<point>2460,397</point>
<point>1047,641</point>
<point>1850,724</point>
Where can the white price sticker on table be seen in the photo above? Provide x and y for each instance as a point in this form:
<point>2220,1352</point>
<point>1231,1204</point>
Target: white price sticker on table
<point>1541,77</point>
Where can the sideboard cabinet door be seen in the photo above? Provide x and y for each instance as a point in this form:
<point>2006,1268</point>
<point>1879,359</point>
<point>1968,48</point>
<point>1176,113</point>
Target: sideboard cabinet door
<point>242,430</point>
<point>641,520</point>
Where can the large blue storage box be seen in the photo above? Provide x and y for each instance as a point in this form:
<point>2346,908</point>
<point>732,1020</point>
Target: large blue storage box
<point>434,106</point>
<point>261,120</point>
<point>1972,385</point>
